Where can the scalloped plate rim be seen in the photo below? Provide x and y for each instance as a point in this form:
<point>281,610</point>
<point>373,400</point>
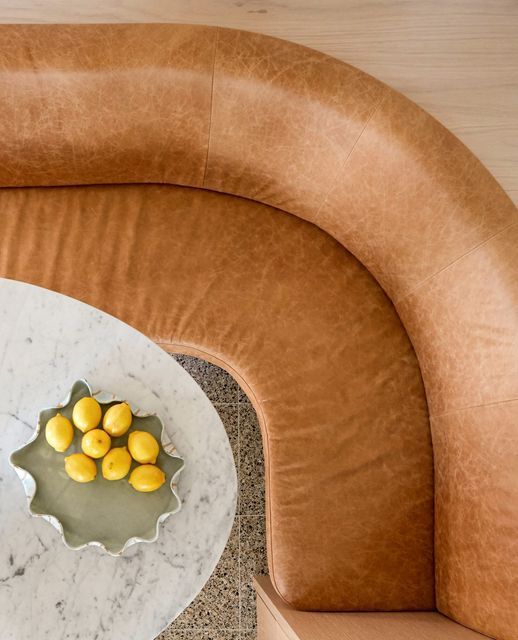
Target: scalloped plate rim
<point>167,446</point>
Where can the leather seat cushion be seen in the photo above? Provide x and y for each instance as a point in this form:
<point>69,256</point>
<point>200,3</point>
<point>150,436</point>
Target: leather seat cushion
<point>308,332</point>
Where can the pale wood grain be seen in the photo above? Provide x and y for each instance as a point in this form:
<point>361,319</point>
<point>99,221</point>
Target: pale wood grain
<point>267,626</point>
<point>277,621</point>
<point>456,58</point>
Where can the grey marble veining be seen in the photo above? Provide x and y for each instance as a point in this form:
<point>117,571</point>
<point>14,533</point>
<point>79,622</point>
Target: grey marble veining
<point>47,591</point>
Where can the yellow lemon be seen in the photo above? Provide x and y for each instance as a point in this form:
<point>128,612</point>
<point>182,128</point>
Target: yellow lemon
<point>143,447</point>
<point>59,433</point>
<point>96,443</point>
<point>116,464</point>
<point>80,468</point>
<point>86,414</point>
<point>117,420</point>
<point>147,478</point>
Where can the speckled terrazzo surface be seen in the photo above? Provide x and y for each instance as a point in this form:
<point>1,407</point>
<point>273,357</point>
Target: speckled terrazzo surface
<point>225,609</point>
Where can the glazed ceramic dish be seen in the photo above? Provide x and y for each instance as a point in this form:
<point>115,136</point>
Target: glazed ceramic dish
<point>109,514</point>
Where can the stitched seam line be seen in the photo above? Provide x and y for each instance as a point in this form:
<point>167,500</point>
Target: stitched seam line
<point>211,104</point>
<point>346,160</point>
<point>451,264</point>
<point>473,406</point>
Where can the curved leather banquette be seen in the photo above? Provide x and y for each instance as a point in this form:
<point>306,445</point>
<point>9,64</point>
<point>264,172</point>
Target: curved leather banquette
<point>345,257</point>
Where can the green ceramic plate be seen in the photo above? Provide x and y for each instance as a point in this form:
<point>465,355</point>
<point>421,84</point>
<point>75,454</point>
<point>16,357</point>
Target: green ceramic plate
<point>108,514</point>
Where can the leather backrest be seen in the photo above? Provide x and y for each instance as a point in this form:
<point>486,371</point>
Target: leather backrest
<point>277,123</point>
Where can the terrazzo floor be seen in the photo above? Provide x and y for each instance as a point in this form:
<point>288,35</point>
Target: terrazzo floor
<point>225,609</point>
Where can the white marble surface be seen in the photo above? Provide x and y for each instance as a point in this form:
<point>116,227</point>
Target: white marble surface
<point>48,592</point>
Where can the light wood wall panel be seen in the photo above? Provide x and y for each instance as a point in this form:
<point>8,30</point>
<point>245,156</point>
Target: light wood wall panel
<point>456,58</point>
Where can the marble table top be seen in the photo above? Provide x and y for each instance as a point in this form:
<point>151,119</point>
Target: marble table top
<point>48,592</point>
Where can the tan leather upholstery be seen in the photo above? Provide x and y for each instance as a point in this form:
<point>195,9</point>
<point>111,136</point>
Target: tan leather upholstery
<point>280,303</point>
<point>273,122</point>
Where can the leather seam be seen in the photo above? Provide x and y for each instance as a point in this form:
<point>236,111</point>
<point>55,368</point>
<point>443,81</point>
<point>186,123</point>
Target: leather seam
<point>454,262</point>
<point>381,100</point>
<point>216,39</point>
<point>472,406</point>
